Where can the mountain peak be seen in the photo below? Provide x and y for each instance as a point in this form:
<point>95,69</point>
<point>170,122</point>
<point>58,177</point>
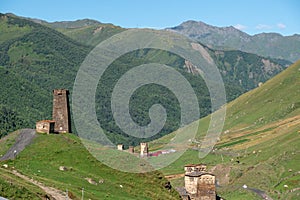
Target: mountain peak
<point>193,22</point>
<point>228,38</point>
<point>75,24</point>
<point>201,29</point>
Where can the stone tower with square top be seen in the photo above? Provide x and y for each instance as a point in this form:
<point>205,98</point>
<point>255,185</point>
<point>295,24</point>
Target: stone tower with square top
<point>144,149</point>
<point>61,111</point>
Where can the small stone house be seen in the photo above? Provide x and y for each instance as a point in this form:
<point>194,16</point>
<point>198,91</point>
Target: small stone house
<point>131,149</point>
<point>120,147</point>
<point>199,184</point>
<point>45,126</point>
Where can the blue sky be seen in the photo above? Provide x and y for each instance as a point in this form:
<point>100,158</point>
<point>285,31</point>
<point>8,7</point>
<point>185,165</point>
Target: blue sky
<point>251,16</point>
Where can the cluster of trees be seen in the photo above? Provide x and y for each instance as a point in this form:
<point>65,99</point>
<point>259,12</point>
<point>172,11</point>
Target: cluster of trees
<point>10,121</point>
<point>246,69</point>
<point>146,96</point>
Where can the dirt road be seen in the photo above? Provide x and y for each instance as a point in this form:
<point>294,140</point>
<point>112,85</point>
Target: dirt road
<point>50,191</point>
<point>24,138</point>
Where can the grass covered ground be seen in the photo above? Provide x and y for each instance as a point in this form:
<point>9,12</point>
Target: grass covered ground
<point>259,145</point>
<point>12,187</point>
<point>41,161</point>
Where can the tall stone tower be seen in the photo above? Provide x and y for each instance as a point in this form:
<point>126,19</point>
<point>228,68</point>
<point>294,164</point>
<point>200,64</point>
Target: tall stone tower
<point>61,111</point>
<point>144,149</point>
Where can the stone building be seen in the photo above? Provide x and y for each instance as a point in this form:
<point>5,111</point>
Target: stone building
<point>60,122</point>
<point>45,126</point>
<point>144,149</point>
<point>206,189</point>
<point>131,149</point>
<point>120,147</point>
<point>61,111</point>
<point>199,184</point>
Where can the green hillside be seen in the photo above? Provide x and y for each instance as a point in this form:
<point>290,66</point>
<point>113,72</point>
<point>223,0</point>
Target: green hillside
<point>42,56</point>
<point>20,189</point>
<point>15,89</point>
<point>277,99</point>
<point>259,145</point>
<point>262,155</point>
<point>87,32</point>
<point>41,161</point>
<point>35,59</point>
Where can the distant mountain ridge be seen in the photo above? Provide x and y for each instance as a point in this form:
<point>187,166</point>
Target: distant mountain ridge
<point>60,24</point>
<point>225,38</point>
<point>88,32</point>
<point>273,45</point>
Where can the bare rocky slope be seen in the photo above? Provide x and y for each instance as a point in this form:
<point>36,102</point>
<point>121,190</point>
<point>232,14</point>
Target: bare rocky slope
<point>271,45</point>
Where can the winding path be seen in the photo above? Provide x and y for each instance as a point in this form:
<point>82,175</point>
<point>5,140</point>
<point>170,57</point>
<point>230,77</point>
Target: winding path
<point>261,193</point>
<point>24,138</point>
<point>54,193</point>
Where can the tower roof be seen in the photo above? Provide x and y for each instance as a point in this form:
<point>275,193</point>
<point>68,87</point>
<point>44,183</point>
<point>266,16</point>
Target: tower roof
<point>194,165</point>
<point>198,173</point>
